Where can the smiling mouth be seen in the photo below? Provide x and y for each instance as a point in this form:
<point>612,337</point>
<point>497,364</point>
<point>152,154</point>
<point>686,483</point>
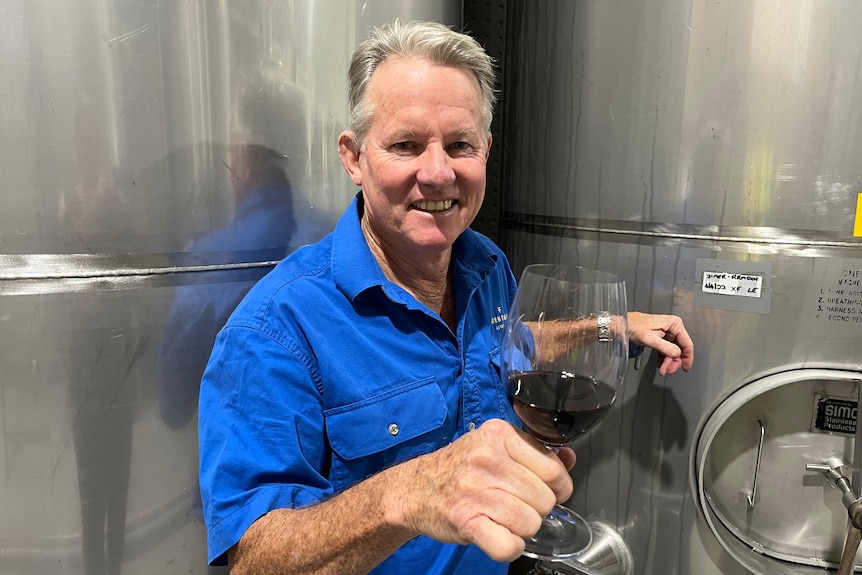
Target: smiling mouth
<point>432,207</point>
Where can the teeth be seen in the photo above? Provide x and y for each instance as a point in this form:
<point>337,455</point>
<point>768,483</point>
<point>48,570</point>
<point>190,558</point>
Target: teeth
<point>437,206</point>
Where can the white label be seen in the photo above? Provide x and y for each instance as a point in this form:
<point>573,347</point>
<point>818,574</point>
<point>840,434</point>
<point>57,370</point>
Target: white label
<point>732,284</point>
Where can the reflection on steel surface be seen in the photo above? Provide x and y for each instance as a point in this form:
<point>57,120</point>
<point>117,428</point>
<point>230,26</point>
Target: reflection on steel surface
<point>59,273</point>
<point>645,137</point>
<point>608,554</point>
<point>152,156</point>
<point>679,233</point>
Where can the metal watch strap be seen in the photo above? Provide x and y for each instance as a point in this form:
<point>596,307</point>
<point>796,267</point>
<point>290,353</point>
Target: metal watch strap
<point>604,326</point>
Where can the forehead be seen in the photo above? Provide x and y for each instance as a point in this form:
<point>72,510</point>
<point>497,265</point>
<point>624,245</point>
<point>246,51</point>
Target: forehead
<point>401,83</point>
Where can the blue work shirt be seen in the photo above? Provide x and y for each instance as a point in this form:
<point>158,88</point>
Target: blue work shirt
<point>327,373</point>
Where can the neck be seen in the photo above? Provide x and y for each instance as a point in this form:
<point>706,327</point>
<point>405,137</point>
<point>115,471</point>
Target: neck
<point>426,278</point>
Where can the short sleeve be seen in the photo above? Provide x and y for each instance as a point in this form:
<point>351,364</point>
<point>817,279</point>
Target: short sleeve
<point>261,432</point>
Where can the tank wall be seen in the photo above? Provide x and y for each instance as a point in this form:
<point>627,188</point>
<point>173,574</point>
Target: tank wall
<point>660,140</point>
<point>136,135</point>
<point>701,113</point>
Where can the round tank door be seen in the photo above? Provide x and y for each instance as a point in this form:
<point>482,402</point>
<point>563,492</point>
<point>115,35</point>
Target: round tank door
<point>758,470</point>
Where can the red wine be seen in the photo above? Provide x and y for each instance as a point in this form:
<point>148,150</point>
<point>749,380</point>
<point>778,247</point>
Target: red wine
<point>558,407</point>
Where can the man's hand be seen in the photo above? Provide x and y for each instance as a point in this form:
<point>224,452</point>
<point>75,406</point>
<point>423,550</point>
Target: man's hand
<point>667,335</point>
<point>491,487</point>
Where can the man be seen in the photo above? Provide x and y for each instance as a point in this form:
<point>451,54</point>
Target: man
<point>352,416</point>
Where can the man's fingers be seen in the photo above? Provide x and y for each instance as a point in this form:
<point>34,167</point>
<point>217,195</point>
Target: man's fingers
<point>497,541</point>
<point>519,517</point>
<point>542,462</point>
<point>567,456</point>
<point>666,348</point>
<point>667,335</point>
<point>684,342</point>
<point>668,365</point>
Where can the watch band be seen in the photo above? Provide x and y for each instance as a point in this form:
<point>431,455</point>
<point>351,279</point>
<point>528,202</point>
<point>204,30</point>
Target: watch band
<point>604,326</point>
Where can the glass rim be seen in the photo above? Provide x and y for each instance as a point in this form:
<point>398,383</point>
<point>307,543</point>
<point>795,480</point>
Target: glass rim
<point>552,271</point>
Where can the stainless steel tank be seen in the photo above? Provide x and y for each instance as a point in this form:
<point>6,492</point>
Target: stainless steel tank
<point>133,135</point>
<point>709,152</point>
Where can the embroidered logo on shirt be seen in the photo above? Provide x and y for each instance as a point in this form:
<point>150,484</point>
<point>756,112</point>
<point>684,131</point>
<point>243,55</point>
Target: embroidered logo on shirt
<point>499,320</point>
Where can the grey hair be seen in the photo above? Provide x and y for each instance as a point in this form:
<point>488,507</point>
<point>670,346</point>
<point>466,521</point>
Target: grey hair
<point>430,40</point>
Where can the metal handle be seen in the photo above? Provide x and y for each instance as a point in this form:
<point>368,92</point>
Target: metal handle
<point>757,465</point>
<point>833,471</point>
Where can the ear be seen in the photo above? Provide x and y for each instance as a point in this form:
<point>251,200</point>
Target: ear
<point>349,152</point>
<point>488,148</point>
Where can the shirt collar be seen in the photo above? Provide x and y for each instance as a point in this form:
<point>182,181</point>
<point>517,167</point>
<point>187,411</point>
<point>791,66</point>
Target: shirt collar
<point>355,269</point>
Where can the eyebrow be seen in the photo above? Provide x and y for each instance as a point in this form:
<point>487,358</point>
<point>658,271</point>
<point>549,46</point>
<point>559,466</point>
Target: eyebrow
<point>402,135</point>
<point>466,134</point>
<point>469,133</point>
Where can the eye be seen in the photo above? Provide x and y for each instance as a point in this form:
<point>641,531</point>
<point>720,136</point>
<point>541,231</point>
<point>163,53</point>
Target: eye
<point>460,147</point>
<point>406,147</point>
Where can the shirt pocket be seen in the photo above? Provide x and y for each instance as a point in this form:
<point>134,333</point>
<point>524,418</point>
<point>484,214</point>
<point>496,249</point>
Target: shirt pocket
<point>386,429</point>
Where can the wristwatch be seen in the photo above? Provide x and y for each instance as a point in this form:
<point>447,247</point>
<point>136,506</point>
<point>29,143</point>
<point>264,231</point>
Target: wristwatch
<point>604,325</point>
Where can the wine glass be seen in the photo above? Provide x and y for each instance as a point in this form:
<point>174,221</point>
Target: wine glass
<point>564,358</point>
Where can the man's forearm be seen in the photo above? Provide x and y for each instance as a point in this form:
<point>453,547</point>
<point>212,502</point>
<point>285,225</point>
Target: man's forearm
<point>490,487</point>
<point>346,535</point>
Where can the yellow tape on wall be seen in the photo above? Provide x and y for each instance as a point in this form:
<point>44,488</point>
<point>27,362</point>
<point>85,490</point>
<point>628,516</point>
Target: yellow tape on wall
<point>857,227</point>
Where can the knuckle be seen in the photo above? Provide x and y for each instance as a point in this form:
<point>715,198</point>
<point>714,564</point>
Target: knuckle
<point>494,427</point>
<point>507,549</point>
<point>553,471</point>
<point>462,519</point>
<point>543,507</point>
<point>483,456</point>
<point>525,518</point>
<point>532,524</point>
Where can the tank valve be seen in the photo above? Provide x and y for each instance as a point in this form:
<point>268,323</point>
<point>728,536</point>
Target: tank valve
<point>853,503</point>
<point>833,472</point>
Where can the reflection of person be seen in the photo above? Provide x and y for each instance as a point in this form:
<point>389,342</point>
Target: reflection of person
<point>103,352</point>
<point>102,393</point>
<point>271,216</point>
<point>352,416</point>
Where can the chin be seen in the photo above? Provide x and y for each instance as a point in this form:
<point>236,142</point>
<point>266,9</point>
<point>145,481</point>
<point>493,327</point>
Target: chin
<point>436,242</point>
<point>437,237</point>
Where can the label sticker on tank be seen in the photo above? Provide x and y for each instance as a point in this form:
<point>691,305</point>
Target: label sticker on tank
<point>724,283</point>
<point>834,414</point>
<point>733,285</point>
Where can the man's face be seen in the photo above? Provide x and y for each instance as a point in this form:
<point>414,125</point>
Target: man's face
<point>422,169</point>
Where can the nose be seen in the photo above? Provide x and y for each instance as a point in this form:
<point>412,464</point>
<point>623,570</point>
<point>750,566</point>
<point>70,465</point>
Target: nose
<point>435,167</point>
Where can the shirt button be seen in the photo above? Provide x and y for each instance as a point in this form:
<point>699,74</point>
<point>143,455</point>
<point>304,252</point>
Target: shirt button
<point>393,429</point>
<point>472,426</point>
